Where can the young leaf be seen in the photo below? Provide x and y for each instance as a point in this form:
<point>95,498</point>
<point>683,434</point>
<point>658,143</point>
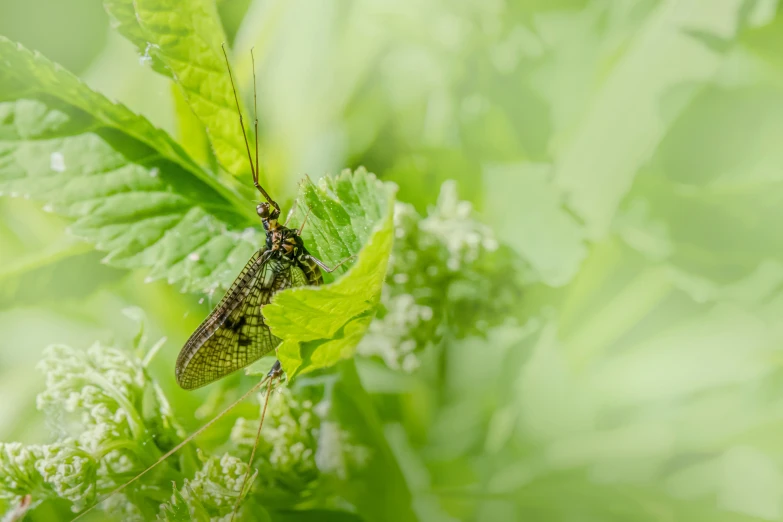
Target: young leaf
<point>177,509</point>
<point>129,188</point>
<point>183,40</point>
<point>190,132</point>
<point>122,15</point>
<point>342,213</point>
<point>321,325</point>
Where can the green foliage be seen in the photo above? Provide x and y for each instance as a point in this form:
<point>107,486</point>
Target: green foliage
<point>54,470</point>
<point>447,276</point>
<point>177,509</point>
<point>129,188</point>
<point>149,211</point>
<point>286,462</point>
<point>215,487</point>
<point>320,326</point>
<point>183,42</point>
<point>568,308</point>
<point>111,423</point>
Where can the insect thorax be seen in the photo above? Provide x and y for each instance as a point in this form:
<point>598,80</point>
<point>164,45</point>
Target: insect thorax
<point>287,248</point>
<point>283,241</point>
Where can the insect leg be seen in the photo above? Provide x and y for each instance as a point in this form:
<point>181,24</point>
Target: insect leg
<point>326,268</point>
<point>299,233</point>
<point>276,370</point>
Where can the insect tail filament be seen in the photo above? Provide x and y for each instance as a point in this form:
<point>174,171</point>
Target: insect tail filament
<point>255,445</point>
<point>180,445</point>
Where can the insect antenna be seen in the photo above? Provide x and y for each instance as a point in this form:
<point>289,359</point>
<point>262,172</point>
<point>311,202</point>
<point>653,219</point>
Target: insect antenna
<point>255,115</point>
<point>179,446</point>
<point>274,372</point>
<point>253,168</point>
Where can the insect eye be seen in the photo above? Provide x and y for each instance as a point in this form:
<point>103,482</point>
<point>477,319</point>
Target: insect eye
<point>263,210</point>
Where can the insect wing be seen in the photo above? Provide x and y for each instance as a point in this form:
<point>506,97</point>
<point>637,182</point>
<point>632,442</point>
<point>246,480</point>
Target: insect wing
<point>235,333</point>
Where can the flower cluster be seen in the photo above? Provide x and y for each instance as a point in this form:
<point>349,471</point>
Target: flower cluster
<point>42,471</point>
<point>450,225</point>
<point>389,337</point>
<point>111,422</point>
<point>101,386</point>
<point>212,492</point>
<point>447,273</point>
<point>285,458</point>
<point>338,454</point>
<point>94,401</point>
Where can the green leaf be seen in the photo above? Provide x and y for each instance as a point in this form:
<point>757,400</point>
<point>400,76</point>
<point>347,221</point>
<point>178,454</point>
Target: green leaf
<point>183,40</point>
<point>322,325</point>
<point>129,188</point>
<point>341,213</point>
<point>600,156</point>
<point>315,515</point>
<point>122,15</point>
<point>190,133</point>
<point>370,478</point>
<point>177,510</point>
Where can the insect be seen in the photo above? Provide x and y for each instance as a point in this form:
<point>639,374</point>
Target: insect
<point>235,334</point>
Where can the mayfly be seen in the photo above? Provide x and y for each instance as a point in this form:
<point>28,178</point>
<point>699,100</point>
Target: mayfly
<point>235,334</point>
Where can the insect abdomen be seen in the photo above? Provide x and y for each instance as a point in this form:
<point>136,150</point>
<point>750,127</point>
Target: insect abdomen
<point>311,270</point>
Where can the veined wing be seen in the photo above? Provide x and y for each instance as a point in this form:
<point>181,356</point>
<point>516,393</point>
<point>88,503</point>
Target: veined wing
<point>235,333</point>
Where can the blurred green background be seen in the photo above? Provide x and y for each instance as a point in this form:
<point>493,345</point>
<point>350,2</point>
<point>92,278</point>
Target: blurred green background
<point>628,153</point>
